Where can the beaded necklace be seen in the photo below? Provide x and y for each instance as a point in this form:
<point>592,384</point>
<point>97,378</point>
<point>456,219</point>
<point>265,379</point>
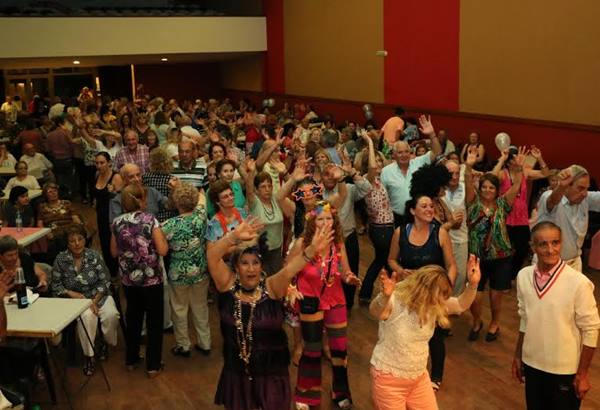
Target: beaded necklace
<point>243,338</point>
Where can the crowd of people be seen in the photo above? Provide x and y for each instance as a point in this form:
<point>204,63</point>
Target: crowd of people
<point>262,210</point>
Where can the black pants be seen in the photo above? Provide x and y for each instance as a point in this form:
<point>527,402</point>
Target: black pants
<point>90,180</point>
<point>63,170</point>
<point>519,238</point>
<point>381,238</point>
<point>80,178</point>
<point>148,300</point>
<point>546,391</point>
<point>398,220</point>
<point>352,250</point>
<point>437,351</point>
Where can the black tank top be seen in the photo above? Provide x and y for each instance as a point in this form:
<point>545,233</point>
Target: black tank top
<point>415,257</point>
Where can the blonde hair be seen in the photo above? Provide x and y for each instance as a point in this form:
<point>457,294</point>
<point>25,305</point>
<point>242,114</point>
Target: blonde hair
<point>185,196</point>
<point>160,161</point>
<point>425,293</point>
<point>132,197</point>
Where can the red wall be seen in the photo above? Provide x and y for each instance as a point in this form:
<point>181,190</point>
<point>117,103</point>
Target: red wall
<point>561,144</point>
<point>421,38</point>
<point>274,69</point>
<point>180,81</point>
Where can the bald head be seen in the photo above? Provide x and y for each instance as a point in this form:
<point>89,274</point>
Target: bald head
<point>131,174</point>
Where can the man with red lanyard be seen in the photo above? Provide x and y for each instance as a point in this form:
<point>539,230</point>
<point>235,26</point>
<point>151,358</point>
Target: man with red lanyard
<point>559,326</point>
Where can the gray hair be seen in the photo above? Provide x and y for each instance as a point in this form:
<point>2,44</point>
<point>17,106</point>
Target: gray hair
<point>578,171</point>
<point>7,244</point>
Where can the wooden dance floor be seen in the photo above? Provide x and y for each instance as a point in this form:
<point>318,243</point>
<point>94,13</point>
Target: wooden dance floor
<point>477,374</point>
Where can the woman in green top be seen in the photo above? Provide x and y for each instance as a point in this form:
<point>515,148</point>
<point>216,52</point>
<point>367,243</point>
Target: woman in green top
<point>264,206</point>
<point>226,171</point>
<point>488,238</point>
<point>187,271</point>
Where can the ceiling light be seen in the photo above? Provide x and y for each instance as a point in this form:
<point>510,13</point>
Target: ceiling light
<point>164,59</point>
<point>76,62</point>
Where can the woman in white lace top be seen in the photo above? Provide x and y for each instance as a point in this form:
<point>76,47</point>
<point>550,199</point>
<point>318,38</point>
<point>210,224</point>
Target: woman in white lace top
<point>408,312</point>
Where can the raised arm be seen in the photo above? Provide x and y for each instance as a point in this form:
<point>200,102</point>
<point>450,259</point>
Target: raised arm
<point>497,170</point>
<point>219,270</point>
<point>249,174</point>
<point>533,174</point>
<point>511,194</point>
<point>381,306</point>
<point>470,193</point>
<point>278,283</point>
<point>372,171</point>
<point>269,147</point>
<point>457,305</point>
<point>285,203</point>
<point>426,128</point>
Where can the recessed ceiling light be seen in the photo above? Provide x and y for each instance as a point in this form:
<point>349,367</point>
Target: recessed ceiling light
<point>164,59</point>
<point>76,62</point>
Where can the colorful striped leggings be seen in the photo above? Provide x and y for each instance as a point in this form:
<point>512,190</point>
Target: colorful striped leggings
<point>308,387</point>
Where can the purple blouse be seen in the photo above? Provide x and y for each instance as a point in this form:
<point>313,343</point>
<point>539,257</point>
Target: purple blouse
<point>139,263</point>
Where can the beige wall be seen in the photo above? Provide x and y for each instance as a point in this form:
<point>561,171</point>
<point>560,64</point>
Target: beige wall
<point>243,73</point>
<point>78,37</point>
<point>535,59</point>
<point>330,49</point>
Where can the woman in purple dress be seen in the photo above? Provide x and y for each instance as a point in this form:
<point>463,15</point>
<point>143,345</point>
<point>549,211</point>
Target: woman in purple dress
<point>255,352</point>
<point>138,244</point>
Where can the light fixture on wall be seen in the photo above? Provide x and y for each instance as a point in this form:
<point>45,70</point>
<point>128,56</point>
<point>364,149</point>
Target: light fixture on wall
<point>164,59</point>
<point>76,62</point>
<point>381,53</point>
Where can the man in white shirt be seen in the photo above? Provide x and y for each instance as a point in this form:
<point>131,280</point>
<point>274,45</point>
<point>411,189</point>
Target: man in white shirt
<point>37,164</point>
<point>356,191</point>
<point>568,207</point>
<point>447,145</point>
<point>396,177</point>
<point>559,326</point>
<point>10,110</point>
<point>57,109</point>
<point>459,234</point>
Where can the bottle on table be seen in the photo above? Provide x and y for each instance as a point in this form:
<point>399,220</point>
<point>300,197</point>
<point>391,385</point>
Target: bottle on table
<point>19,222</point>
<point>21,287</point>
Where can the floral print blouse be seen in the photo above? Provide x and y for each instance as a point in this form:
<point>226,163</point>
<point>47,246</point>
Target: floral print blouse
<point>139,263</point>
<point>90,279</point>
<point>188,249</point>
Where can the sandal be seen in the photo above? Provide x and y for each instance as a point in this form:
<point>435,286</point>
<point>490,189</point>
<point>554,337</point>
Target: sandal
<point>436,385</point>
<point>89,367</point>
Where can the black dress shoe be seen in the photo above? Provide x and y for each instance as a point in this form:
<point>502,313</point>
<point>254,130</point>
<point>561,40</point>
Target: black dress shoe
<point>205,352</point>
<point>490,337</point>
<point>474,333</point>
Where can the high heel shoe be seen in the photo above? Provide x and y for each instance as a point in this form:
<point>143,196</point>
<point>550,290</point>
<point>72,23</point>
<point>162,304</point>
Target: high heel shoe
<point>474,333</point>
<point>490,337</point>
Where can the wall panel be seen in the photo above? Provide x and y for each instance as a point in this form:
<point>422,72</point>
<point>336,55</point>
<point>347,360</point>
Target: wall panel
<point>330,48</point>
<point>536,59</point>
